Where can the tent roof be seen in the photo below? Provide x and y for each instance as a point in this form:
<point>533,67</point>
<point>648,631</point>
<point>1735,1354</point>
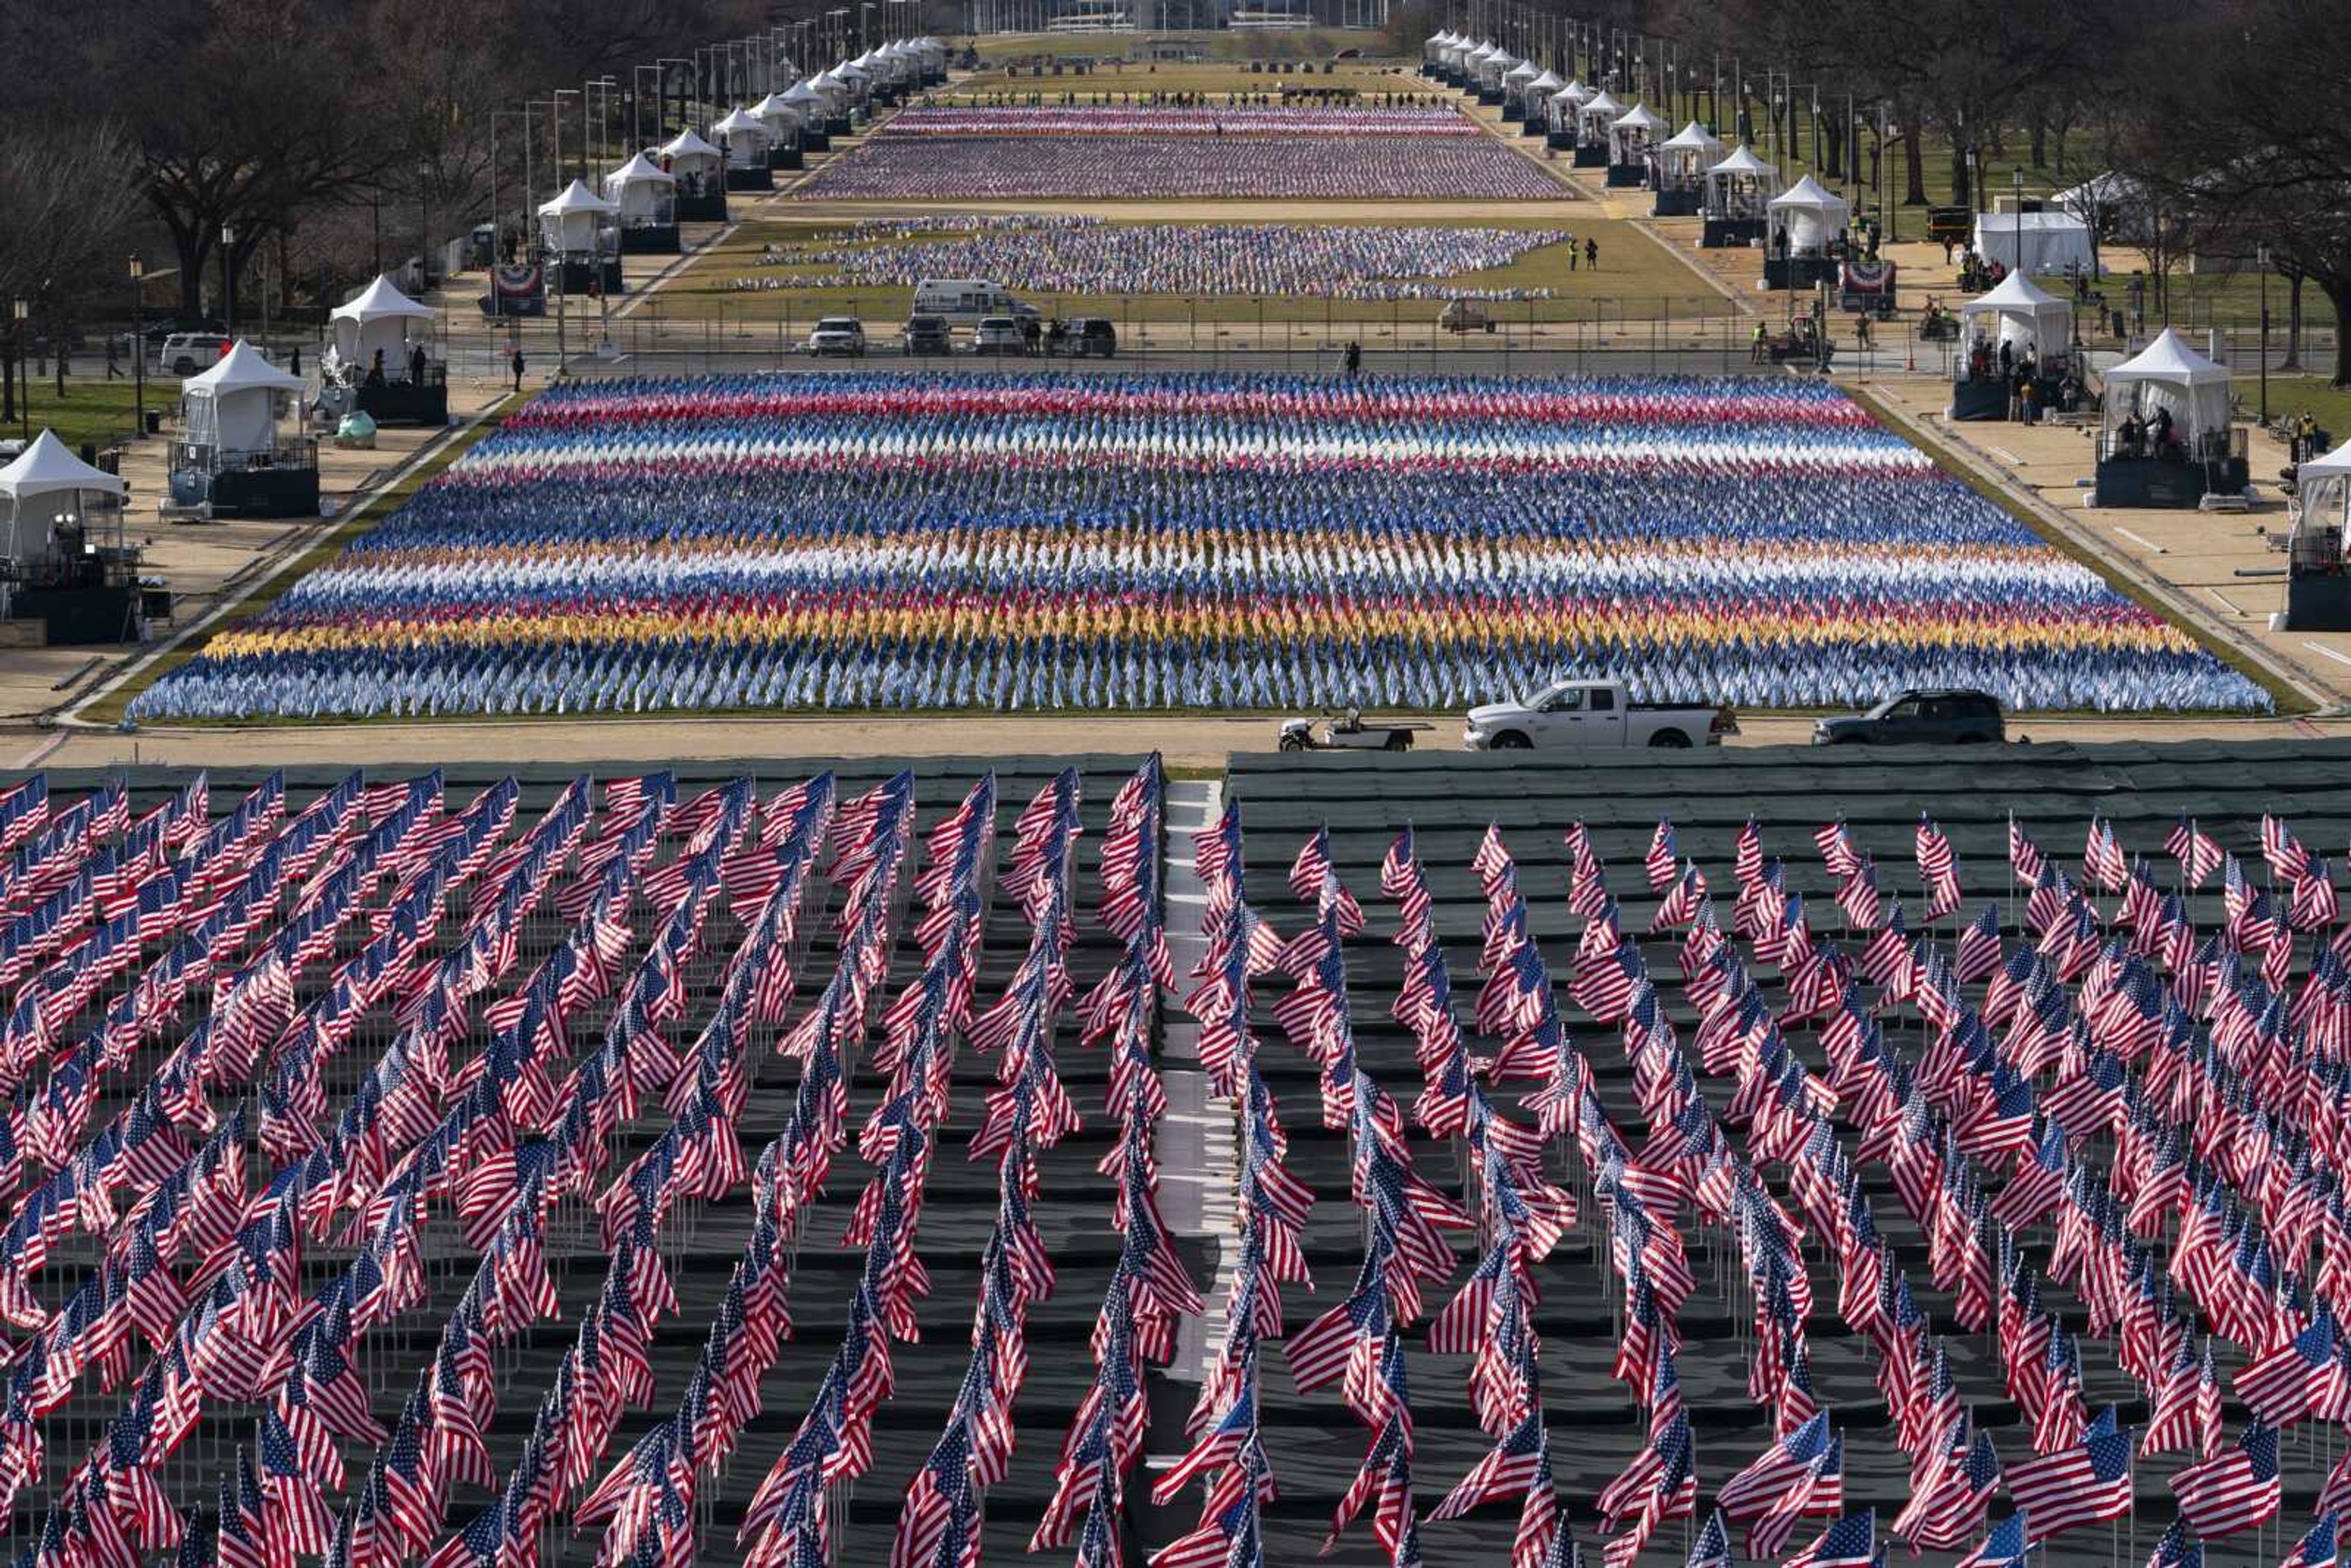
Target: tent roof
<point>576,197</point>
<point>1695,138</point>
<point>1546,82</point>
<point>46,467</point>
<point>2336,460</point>
<point>241,368</point>
<point>1742,160</point>
<point>1639,119</point>
<point>377,300</point>
<point>1811,193</point>
<point>1601,103</point>
<point>739,121</point>
<point>801,92</point>
<point>774,103</point>
<point>1574,91</point>
<point>686,144</point>
<point>640,170</point>
<point>2169,359</point>
<point>2016,292</point>
<point>1525,70</point>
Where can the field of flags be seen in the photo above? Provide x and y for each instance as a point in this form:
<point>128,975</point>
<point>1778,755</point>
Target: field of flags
<point>507,1171</point>
<point>1084,255</point>
<point>1053,542</point>
<point>1117,152</point>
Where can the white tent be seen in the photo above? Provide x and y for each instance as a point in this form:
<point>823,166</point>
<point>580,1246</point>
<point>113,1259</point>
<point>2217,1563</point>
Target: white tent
<point>233,405</point>
<point>1741,186</point>
<point>1538,92</point>
<point>2033,242</point>
<point>2025,315</point>
<point>808,104</point>
<point>380,319</point>
<point>642,189</point>
<point>1684,157</point>
<point>1631,135</point>
<point>781,114</point>
<point>1596,115</point>
<point>1494,68</point>
<point>1518,75</point>
<point>745,135</point>
<point>1561,110</point>
<point>689,154</point>
<point>1810,214</point>
<point>2169,376</point>
<point>44,486</point>
<point>2323,492</point>
<point>570,222</point>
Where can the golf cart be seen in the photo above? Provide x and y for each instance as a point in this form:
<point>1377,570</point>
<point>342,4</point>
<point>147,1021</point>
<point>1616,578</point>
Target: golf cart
<point>1348,732</point>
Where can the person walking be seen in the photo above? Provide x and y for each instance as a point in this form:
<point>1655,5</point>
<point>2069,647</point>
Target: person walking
<point>1755,347</point>
<point>518,368</point>
<point>1592,255</point>
<point>1354,359</point>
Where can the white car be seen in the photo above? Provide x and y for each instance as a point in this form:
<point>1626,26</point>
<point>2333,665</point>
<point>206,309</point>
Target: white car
<point>1592,715</point>
<point>843,335</point>
<point>999,335</point>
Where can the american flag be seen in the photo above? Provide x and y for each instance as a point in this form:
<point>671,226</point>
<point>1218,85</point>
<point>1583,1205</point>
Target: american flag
<point>2317,1548</point>
<point>2005,1547</point>
<point>1939,869</point>
<point>2235,1490</point>
<point>2086,1482</point>
<point>2176,1548</point>
<point>1662,858</point>
<point>1849,1543</point>
<point>2198,855</point>
<point>1955,1507</point>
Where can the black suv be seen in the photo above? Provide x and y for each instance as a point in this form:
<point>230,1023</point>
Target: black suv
<point>927,335</point>
<point>1917,719</point>
<point>1085,335</point>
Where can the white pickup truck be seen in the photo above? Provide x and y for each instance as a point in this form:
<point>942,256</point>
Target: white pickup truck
<point>1592,715</point>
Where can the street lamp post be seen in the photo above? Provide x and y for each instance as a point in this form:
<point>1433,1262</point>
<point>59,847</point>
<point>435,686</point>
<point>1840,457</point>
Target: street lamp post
<point>424,222</point>
<point>138,342</point>
<point>228,281</point>
<point>20,318</point>
<point>2262,260</point>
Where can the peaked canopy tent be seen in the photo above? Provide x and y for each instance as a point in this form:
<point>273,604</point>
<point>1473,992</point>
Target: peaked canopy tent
<point>814,113</point>
<point>746,139</point>
<point>2166,439</point>
<point>1806,221</point>
<point>786,118</point>
<point>701,171</point>
<point>387,355</point>
<point>1433,46</point>
<point>1514,90</point>
<point>54,508</point>
<point>234,459</point>
<point>644,196</point>
<point>1559,114</point>
<point>2318,580</point>
<point>1594,115</point>
<point>1738,193</point>
<point>839,98</point>
<point>2031,323</point>
<point>1632,136</point>
<point>1682,161</point>
<point>581,230</point>
<point>1489,73</point>
<point>51,495</point>
<point>1534,101</point>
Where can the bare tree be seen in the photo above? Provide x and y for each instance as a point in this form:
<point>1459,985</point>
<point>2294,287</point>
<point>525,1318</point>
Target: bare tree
<point>71,197</point>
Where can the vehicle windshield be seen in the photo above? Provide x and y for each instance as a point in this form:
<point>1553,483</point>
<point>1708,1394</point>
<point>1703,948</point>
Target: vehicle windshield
<point>837,324</point>
<point>997,323</point>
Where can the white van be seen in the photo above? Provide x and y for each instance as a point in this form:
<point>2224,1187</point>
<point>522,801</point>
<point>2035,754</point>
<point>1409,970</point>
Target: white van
<point>964,300</point>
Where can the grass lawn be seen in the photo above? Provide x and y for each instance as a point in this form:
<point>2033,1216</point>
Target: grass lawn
<point>95,412</point>
<point>2290,395</point>
<point>1636,279</point>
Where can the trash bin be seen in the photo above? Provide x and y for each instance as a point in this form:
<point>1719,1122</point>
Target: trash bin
<point>154,421</point>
